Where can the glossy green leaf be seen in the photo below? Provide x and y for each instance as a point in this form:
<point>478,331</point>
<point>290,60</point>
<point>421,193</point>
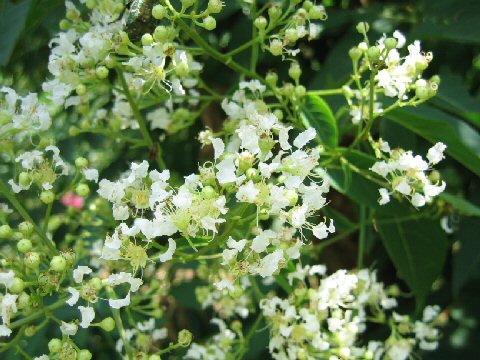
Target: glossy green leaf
<point>12,22</point>
<point>418,249</point>
<point>463,142</point>
<point>465,207</point>
<point>466,261</point>
<point>317,114</point>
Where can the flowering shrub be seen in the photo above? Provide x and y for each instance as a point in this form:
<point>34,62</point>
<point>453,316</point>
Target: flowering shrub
<point>100,227</point>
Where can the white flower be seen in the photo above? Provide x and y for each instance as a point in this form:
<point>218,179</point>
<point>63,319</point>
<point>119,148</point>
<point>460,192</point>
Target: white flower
<point>91,174</point>
<point>218,147</point>
<point>418,200</point>
<point>79,272</point>
<point>75,296</point>
<point>68,329</point>
<point>262,240</point>
<point>5,331</point>
<point>118,303</point>
<point>269,264</point>
<point>226,171</point>
<point>321,230</point>
<point>435,153</point>
<point>403,187</point>
<point>6,278</point>
<point>167,255</point>
<point>247,192</point>
<point>303,138</point>
<point>124,277</point>
<point>88,314</point>
<point>384,196</point>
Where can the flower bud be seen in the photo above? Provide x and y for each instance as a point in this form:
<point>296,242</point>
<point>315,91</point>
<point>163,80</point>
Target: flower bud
<point>307,5</point>
<point>182,69</point>
<point>58,263</point>
<point>161,34</point>
<point>291,35</point>
<point>154,357</point>
<point>16,286</point>
<point>32,259</point>
<point>184,338</point>
<point>26,228</point>
<point>107,324</point>
<point>237,326</point>
<point>373,53</point>
<point>82,189</point>
<point>84,354</point>
<point>90,4</point>
<point>363,27</point>
<point>295,71</point>
<point>209,192</point>
<point>31,330</point>
<point>278,113</point>
<point>287,89</point>
<point>96,283</point>
<point>6,232</point>
<point>260,23</point>
<point>24,245</point>
<point>147,39</point>
<point>252,174</point>
<point>271,78</point>
<point>24,179</point>
<point>421,89</point>
<point>47,196</point>
<point>159,12</point>
<point>292,197</point>
<point>209,23</point>
<point>300,91</point>
<point>276,47</point>
<point>73,131</point>
<point>317,12</point>
<point>101,72</point>
<point>55,345</point>
<point>81,162</point>
<point>274,12</point>
<point>391,43</point>
<point>64,25</point>
<point>81,89</point>
<point>214,6</point>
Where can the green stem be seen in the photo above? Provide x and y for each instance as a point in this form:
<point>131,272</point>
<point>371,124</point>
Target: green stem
<point>254,57</point>
<point>246,342</point>
<point>5,190</point>
<point>326,92</point>
<point>341,236</point>
<point>362,236</point>
<point>37,314</point>
<point>243,47</point>
<point>48,212</point>
<point>120,327</point>
<point>140,119</point>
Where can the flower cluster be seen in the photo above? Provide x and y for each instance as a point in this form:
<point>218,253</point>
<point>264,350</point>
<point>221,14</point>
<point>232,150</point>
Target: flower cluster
<point>407,173</point>
<point>329,316</point>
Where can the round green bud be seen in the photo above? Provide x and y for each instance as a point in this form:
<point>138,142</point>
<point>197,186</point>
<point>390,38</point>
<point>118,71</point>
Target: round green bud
<point>107,324</point>
<point>26,228</point>
<point>368,355</point>
<point>184,338</point>
<point>84,354</point>
<point>90,4</point>
<point>47,196</point>
<point>422,89</point>
<point>58,263</point>
<point>154,357</point>
<point>73,131</point>
<point>147,39</point>
<point>317,12</point>
<point>287,89</point>
<point>81,89</point>
<point>24,245</point>
<point>187,3</point>
<point>182,69</point>
<point>64,24</point>
<point>276,47</point>
<point>82,189</point>
<point>214,6</point>
<point>55,345</point>
<point>96,283</point>
<point>6,232</point>
<point>373,53</point>
<point>275,11</point>
<point>291,35</point>
<point>17,285</point>
<point>24,300</point>
<point>251,174</point>
<point>159,12</point>
<point>102,72</point>
<point>161,34</point>
<point>295,71</point>
<point>435,79</point>
<point>278,113</point>
<point>300,91</point>
<point>81,162</point>
<point>363,27</point>
<point>307,5</point>
<point>355,53</point>
<point>260,23</point>
<point>209,23</point>
<point>391,43</point>
<point>71,14</point>
<point>271,78</point>
<point>209,192</point>
<point>432,88</point>
<point>32,259</point>
<point>24,178</point>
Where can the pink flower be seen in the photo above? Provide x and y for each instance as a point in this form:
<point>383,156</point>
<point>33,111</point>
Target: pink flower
<point>72,199</point>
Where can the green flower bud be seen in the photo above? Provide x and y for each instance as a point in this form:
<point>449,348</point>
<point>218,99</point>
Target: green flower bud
<point>17,285</point>
<point>260,23</point>
<point>81,162</point>
<point>317,12</point>
<point>55,345</point>
<point>300,91</point>
<point>187,3</point>
<point>154,357</point>
<point>24,179</point>
<point>214,6</point>
<point>276,47</point>
<point>252,174</point>
<point>307,5</point>
<point>271,78</point>
<point>102,72</point>
<point>278,113</point>
<point>96,283</point>
<point>24,300</point>
<point>6,232</point>
<point>147,39</point>
<point>81,89</point>
<point>391,43</point>
<point>161,34</point>
<point>31,330</point>
<point>90,4</point>
<point>159,12</point>
<point>274,12</point>
<point>363,27</point>
<point>84,354</point>
<point>295,71</point>
<point>73,131</point>
<point>47,196</point>
<point>291,35</point>
<point>64,25</point>
<point>237,326</point>
<point>107,324</point>
<point>58,263</point>
<point>422,89</point>
<point>266,144</point>
<point>432,88</point>
<point>32,259</point>
<point>182,69</point>
<point>373,53</point>
<point>355,53</point>
<point>82,189</point>
<point>184,338</point>
<point>287,89</point>
<point>209,23</point>
<point>24,245</point>
<point>209,192</point>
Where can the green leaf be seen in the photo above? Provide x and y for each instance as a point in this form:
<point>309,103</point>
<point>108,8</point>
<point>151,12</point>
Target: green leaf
<point>317,114</point>
<point>418,249</point>
<point>12,21</point>
<point>463,142</point>
<point>465,207</point>
<point>466,262</point>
